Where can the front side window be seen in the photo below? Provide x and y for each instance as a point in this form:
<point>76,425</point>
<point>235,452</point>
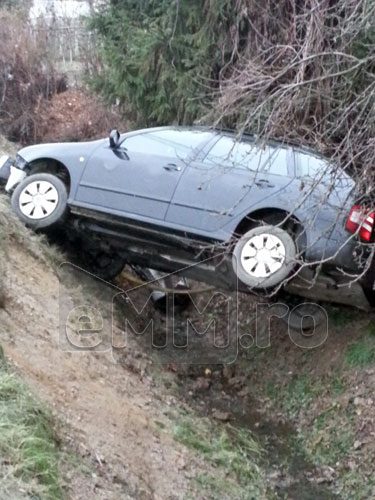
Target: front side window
<point>183,141</point>
<point>146,144</point>
<point>174,143</point>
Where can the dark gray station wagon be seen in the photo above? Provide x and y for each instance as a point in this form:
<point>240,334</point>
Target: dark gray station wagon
<point>200,202</point>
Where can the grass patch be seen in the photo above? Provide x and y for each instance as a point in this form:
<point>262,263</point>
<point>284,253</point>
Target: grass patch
<point>369,329</point>
<point>298,394</point>
<point>232,450</point>
<point>335,445</point>
<point>361,353</point>
<point>28,445</point>
<point>337,386</point>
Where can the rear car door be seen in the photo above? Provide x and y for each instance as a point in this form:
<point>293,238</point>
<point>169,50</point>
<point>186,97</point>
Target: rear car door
<point>232,178</point>
<point>137,178</point>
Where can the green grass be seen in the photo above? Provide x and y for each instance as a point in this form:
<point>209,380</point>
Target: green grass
<point>231,450</point>
<point>338,447</point>
<point>361,353</point>
<point>369,329</point>
<point>337,385</point>
<point>298,394</point>
<point>28,445</point>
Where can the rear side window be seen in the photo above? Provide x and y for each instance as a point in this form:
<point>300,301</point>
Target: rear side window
<point>229,153</point>
<point>276,161</point>
<point>169,143</point>
<point>311,166</point>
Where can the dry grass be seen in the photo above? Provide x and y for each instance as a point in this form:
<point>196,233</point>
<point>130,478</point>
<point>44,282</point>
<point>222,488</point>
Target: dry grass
<point>27,77</point>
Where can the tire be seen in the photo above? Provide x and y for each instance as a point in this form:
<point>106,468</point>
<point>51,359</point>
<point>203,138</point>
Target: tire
<point>264,257</point>
<point>40,201</point>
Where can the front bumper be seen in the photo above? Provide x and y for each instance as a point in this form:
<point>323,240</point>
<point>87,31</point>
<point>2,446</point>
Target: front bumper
<point>10,175</point>
<point>5,164</point>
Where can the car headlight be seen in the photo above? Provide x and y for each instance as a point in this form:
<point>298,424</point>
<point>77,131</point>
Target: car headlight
<point>20,162</point>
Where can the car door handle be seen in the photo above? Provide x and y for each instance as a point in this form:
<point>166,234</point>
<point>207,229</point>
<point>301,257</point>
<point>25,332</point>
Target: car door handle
<point>264,183</point>
<point>172,167</point>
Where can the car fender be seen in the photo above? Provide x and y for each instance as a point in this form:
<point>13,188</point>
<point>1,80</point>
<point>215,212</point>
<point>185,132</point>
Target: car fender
<point>73,155</point>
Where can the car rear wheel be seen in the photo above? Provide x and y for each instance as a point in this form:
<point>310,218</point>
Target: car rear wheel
<point>40,201</point>
<point>264,257</point>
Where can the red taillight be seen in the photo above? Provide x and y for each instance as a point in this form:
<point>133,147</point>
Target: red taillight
<point>361,219</point>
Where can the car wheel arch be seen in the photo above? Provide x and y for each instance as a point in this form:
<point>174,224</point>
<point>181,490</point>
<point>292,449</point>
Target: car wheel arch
<point>265,215</point>
<point>50,166</point>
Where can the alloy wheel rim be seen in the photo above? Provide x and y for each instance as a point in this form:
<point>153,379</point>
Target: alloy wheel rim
<point>263,255</point>
<point>38,200</point>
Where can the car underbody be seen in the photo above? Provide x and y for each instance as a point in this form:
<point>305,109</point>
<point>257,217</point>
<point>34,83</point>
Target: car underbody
<point>207,261</point>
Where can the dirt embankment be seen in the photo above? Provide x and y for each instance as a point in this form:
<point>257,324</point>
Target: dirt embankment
<point>115,413</point>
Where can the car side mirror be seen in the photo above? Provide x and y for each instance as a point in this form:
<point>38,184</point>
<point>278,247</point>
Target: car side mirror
<point>114,139</point>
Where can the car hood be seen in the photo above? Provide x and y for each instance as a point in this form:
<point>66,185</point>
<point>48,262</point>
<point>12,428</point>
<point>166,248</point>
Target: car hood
<point>60,150</point>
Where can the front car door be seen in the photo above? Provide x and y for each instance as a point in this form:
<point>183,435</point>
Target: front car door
<point>138,178</point>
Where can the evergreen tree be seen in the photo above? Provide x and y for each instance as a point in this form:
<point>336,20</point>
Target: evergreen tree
<point>162,58</point>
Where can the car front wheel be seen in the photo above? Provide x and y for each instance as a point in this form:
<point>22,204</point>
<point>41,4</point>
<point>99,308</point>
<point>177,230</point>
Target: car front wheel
<point>264,257</point>
<point>40,201</point>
